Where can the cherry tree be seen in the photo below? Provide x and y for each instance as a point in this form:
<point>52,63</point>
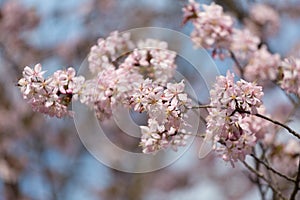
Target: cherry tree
<point>240,128</point>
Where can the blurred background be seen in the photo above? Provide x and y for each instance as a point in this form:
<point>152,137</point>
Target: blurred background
<point>43,158</point>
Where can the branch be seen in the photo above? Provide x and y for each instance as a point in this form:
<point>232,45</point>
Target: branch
<point>296,187</point>
<point>260,175</point>
<point>259,185</point>
<point>202,106</point>
<point>237,63</point>
<point>271,169</point>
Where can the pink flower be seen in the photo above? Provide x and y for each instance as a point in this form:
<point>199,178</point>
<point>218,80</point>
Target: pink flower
<point>153,137</point>
<point>35,73</point>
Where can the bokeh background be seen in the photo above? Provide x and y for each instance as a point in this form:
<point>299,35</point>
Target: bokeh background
<point>43,158</point>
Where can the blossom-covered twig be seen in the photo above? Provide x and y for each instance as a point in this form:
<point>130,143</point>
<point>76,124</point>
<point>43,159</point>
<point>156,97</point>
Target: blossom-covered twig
<point>290,130</point>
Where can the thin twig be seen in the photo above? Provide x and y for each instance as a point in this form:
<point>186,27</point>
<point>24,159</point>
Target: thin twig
<point>260,175</point>
<point>202,106</point>
<point>296,187</point>
<point>259,185</point>
<point>271,169</point>
<point>196,135</point>
<point>237,64</point>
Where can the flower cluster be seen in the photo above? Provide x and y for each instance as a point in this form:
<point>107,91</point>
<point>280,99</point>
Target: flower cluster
<point>108,50</point>
<point>262,65</point>
<point>213,28</point>
<point>226,125</point>
<point>52,95</point>
<point>167,107</point>
<point>290,80</point>
<point>244,43</point>
<point>264,20</point>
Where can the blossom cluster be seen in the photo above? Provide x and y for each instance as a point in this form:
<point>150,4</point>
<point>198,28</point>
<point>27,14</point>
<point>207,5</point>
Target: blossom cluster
<point>141,82</point>
<point>137,79</point>
<point>53,94</point>
<point>167,108</point>
<point>228,123</point>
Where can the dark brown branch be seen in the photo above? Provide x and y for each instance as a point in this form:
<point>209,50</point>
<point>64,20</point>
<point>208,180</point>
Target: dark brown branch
<point>240,67</point>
